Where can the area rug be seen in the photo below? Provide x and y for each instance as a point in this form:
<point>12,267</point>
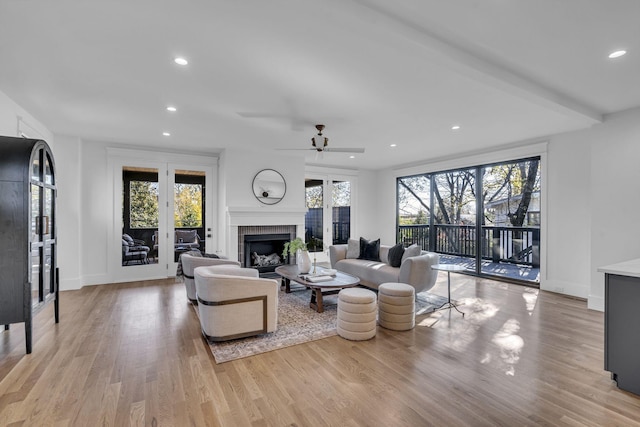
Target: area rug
<point>297,324</point>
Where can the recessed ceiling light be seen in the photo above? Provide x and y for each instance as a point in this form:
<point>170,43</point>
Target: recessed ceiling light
<point>617,54</point>
<point>393,145</point>
<point>181,61</point>
<point>455,127</point>
<point>352,157</point>
<point>172,109</point>
<point>166,133</point>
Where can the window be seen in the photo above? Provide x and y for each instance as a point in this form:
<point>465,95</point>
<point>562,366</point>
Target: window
<point>486,218</point>
<point>143,204</point>
<point>188,205</point>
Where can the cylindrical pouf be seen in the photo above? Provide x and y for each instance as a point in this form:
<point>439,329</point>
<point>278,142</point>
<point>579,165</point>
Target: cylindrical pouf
<point>396,306</point>
<point>357,314</point>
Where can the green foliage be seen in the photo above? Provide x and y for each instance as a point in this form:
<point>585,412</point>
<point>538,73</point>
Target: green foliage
<point>313,196</point>
<point>341,195</point>
<point>143,198</point>
<point>293,246</point>
<point>188,205</point>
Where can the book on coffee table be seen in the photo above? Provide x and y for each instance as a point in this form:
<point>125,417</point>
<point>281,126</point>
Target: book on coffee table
<point>314,279</point>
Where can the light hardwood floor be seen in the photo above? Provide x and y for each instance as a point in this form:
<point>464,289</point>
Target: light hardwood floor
<point>131,354</point>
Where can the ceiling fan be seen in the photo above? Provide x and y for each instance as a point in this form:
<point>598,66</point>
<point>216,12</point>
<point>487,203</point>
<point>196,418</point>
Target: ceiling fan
<point>320,143</point>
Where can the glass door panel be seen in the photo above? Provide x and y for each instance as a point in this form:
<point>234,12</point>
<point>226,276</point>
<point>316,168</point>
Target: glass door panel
<point>48,171</point>
<point>511,220</point>
<point>414,210</point>
<point>188,212</point>
<point>341,212</point>
<point>35,213</point>
<point>140,216</point>
<point>35,167</point>
<point>47,218</point>
<point>455,217</point>
<point>314,218</point>
<point>35,274</point>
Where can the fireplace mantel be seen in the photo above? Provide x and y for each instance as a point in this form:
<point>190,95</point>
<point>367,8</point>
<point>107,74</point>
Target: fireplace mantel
<point>267,215</point>
<point>238,216</point>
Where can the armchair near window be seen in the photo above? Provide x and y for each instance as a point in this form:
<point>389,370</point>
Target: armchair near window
<point>189,264</point>
<point>234,302</point>
<point>134,250</point>
<point>187,239</point>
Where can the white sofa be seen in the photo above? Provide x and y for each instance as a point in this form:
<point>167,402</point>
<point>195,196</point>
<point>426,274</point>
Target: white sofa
<point>233,302</point>
<point>415,270</point>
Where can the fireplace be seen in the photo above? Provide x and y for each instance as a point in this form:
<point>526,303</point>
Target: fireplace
<point>264,251</point>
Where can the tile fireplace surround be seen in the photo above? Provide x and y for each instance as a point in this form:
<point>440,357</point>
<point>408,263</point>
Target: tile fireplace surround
<point>261,220</point>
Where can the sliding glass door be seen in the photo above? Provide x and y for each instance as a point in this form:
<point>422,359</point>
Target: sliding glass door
<point>485,218</point>
<point>454,216</point>
<point>511,219</point>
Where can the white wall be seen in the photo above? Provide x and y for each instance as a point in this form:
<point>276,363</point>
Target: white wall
<point>567,237</point>
<point>615,196</point>
<point>15,119</point>
<point>241,166</point>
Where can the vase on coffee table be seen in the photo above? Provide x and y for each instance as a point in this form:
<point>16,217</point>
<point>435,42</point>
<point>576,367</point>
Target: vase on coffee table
<point>303,261</point>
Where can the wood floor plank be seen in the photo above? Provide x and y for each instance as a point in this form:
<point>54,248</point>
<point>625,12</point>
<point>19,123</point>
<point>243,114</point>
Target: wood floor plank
<point>132,354</point>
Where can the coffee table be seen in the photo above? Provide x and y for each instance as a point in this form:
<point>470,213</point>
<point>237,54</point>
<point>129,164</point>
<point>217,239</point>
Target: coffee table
<point>341,280</point>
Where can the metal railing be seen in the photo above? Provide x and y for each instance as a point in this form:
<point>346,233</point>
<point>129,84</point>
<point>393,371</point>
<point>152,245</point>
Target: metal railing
<point>517,245</point>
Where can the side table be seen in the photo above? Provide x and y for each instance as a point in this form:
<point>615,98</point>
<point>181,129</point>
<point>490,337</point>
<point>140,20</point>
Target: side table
<point>449,268</point>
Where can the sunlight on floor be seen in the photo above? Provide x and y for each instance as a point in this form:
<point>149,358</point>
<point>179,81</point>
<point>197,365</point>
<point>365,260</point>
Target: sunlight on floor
<point>461,331</point>
<point>530,296</point>
<point>510,346</point>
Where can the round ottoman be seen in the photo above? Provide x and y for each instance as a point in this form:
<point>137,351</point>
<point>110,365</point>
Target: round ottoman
<point>357,314</point>
<point>396,306</point>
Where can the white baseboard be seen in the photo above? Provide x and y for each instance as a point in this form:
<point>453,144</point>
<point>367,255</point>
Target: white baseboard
<point>566,288</point>
<point>595,303</point>
<point>70,284</point>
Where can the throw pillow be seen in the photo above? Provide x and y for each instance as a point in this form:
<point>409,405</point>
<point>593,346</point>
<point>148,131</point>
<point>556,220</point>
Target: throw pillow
<point>369,250</point>
<point>413,250</point>
<point>395,255</point>
<point>353,249</point>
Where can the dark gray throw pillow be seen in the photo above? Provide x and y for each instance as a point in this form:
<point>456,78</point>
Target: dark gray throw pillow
<point>369,249</point>
<point>395,255</point>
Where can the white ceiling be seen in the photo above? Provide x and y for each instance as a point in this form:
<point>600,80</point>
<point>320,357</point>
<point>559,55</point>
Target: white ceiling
<point>375,72</point>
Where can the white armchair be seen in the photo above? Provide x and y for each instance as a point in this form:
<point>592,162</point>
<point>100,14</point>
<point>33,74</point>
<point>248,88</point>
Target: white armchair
<point>189,264</point>
<point>234,302</point>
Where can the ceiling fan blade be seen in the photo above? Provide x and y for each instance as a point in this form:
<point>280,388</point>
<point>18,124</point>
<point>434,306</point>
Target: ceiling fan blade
<point>295,149</point>
<point>343,150</point>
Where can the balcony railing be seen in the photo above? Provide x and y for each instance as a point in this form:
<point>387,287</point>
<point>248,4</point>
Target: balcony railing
<point>517,245</point>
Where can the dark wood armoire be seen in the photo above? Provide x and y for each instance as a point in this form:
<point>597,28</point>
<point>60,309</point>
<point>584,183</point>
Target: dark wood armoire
<point>28,235</point>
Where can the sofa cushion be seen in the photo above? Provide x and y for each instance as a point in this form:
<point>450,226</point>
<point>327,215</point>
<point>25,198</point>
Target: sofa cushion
<point>395,255</point>
<point>413,250</point>
<point>371,273</point>
<point>353,249</point>
<point>369,249</point>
